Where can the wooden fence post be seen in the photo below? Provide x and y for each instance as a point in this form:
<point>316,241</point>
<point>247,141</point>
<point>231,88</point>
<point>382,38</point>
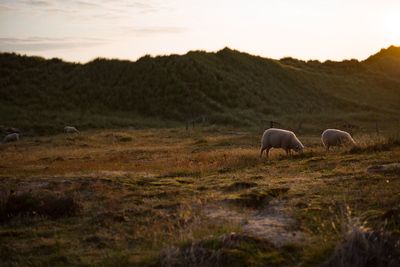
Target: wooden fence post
<point>376,128</point>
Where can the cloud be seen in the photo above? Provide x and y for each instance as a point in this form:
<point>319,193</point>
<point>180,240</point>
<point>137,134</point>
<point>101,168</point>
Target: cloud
<point>6,8</point>
<point>156,30</point>
<point>61,11</point>
<point>138,4</point>
<point>10,44</point>
<point>83,9</point>
<point>37,2</point>
<point>85,4</point>
<point>143,7</point>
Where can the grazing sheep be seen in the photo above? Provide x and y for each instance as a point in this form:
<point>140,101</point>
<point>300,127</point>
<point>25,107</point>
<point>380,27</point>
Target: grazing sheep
<point>11,138</point>
<point>11,130</point>
<point>278,138</point>
<point>70,129</point>
<point>334,137</point>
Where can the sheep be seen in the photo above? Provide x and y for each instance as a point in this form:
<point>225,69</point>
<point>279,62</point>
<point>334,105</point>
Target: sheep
<point>278,138</point>
<point>335,137</point>
<point>13,137</point>
<point>70,129</point>
<point>11,130</point>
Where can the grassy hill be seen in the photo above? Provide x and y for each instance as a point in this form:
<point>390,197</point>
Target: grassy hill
<point>227,87</point>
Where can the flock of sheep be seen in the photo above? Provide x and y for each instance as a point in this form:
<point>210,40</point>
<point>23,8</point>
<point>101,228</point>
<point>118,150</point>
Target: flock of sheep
<point>287,140</point>
<point>272,138</point>
<point>14,135</point>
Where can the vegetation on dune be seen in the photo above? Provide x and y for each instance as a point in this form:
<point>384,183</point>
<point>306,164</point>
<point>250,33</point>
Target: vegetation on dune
<point>227,87</point>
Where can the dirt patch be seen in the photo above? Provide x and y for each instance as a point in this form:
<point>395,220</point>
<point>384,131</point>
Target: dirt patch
<point>272,223</point>
<point>275,225</point>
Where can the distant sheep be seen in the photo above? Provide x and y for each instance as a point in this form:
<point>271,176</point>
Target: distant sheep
<point>335,137</point>
<point>11,130</point>
<point>70,129</point>
<point>13,137</point>
<point>278,138</point>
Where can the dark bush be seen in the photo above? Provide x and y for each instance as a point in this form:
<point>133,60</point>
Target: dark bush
<point>257,198</point>
<point>40,203</point>
<point>239,186</point>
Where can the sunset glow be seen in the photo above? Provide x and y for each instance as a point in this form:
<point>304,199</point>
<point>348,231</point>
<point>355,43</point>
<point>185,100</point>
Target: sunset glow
<point>80,30</point>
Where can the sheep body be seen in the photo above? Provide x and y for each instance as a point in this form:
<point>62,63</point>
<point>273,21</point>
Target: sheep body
<point>335,137</point>
<point>13,137</point>
<point>279,138</point>
<point>70,129</point>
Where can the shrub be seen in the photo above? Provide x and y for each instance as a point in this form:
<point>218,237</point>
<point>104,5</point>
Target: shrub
<point>40,203</point>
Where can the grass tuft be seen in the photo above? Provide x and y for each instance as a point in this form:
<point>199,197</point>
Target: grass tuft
<point>366,248</point>
<point>257,198</point>
<point>227,250</point>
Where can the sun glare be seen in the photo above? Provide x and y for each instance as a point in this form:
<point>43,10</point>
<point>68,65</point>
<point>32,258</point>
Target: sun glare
<point>391,25</point>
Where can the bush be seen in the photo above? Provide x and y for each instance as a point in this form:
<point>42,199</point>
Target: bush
<point>40,203</point>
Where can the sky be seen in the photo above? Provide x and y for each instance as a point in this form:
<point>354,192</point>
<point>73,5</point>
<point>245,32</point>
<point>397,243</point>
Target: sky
<point>81,30</point>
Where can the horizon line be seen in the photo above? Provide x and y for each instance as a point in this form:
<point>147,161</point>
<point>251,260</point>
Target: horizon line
<point>192,51</point>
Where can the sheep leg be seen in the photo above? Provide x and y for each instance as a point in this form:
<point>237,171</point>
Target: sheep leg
<point>261,152</point>
<point>267,151</point>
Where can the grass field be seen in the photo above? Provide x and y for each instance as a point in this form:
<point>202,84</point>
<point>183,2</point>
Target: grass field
<point>203,197</point>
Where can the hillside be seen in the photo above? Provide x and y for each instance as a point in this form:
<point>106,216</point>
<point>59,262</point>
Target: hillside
<point>227,87</point>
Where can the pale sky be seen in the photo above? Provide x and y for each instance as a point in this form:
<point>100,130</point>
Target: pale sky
<point>81,30</point>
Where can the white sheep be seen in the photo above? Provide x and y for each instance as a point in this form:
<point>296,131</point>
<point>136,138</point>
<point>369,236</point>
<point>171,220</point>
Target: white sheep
<point>70,129</point>
<point>335,137</point>
<point>13,137</point>
<point>278,138</point>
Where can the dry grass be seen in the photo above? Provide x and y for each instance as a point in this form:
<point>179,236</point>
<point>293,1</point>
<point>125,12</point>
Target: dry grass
<point>367,143</point>
<point>141,192</point>
<point>364,247</point>
<point>227,250</point>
